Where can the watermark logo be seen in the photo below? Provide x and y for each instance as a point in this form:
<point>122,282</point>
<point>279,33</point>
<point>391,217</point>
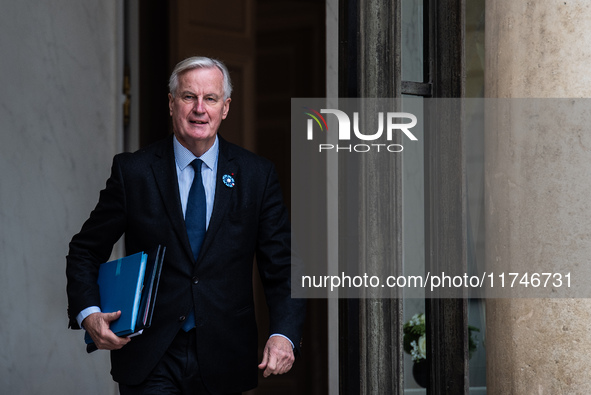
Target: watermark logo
<point>388,122</point>
<point>315,117</point>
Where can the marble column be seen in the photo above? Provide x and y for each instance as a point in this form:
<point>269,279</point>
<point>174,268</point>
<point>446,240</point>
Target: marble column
<point>60,125</point>
<point>537,49</point>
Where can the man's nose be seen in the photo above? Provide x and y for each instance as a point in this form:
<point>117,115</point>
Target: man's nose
<point>198,106</point>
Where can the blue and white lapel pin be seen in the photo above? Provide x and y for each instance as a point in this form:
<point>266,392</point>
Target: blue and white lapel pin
<point>229,180</point>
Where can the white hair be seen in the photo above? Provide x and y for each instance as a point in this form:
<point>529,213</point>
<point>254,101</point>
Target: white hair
<point>199,62</point>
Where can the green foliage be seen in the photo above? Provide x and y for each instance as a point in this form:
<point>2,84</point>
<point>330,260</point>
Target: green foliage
<point>414,328</point>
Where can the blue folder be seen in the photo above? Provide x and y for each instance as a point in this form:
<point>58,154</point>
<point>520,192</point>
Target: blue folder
<point>129,284</point>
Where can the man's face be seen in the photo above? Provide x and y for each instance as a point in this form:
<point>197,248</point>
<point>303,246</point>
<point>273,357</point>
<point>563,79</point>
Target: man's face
<point>198,108</point>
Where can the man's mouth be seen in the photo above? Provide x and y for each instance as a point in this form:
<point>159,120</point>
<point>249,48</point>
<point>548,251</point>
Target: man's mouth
<point>196,122</point>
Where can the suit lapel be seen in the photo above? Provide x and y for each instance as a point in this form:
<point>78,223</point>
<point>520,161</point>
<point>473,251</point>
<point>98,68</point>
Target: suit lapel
<point>167,182</point>
<point>223,193</point>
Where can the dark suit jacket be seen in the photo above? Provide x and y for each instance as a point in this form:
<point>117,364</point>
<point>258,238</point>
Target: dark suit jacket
<point>141,200</point>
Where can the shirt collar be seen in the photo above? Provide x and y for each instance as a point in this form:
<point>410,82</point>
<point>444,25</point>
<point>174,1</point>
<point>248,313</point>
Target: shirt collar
<point>184,157</point>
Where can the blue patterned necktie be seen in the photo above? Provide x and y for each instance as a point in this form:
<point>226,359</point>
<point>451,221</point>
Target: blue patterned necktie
<point>195,214</point>
<point>195,223</point>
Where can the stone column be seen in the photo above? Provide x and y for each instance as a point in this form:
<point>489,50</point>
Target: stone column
<point>537,195</point>
<point>61,122</point>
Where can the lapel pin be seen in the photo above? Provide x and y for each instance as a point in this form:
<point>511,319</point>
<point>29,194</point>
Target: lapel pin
<point>228,180</point>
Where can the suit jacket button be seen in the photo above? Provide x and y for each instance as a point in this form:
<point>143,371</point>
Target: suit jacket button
<point>195,280</point>
<point>182,318</point>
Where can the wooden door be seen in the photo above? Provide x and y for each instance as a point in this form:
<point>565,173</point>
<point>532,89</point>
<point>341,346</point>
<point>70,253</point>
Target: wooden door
<point>223,30</point>
<point>274,50</point>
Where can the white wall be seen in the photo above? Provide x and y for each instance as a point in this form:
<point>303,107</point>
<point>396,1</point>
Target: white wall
<point>59,128</point>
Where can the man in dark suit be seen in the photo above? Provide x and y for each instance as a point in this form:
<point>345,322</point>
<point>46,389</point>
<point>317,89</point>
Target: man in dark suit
<point>203,337</point>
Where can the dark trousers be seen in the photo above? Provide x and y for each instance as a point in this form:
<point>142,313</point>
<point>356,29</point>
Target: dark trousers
<point>176,373</point>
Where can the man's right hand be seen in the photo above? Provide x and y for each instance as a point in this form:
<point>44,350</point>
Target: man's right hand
<point>98,327</point>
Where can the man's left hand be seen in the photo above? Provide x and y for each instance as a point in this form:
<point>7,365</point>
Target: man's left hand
<point>278,357</point>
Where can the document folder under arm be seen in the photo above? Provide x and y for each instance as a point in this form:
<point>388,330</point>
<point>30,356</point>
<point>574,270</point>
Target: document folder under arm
<point>129,284</point>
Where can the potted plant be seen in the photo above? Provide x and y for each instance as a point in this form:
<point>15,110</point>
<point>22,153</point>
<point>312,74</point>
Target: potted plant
<point>415,344</point>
